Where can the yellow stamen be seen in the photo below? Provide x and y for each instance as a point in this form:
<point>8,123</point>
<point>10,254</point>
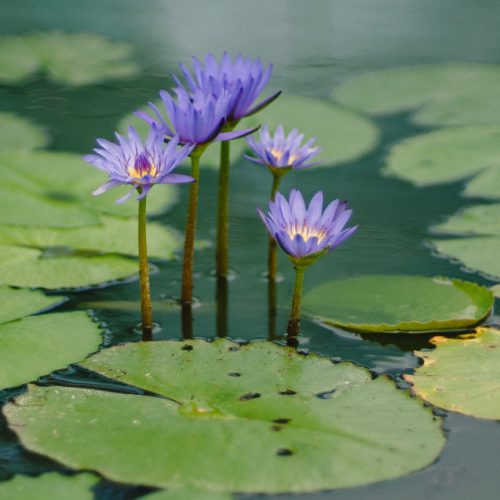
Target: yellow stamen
<point>278,154</point>
<point>306,232</point>
<point>140,173</point>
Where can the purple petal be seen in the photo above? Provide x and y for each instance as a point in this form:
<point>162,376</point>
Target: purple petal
<point>263,104</point>
<point>236,134</point>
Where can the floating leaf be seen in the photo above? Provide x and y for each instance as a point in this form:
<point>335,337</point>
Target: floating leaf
<point>484,185</point>
<point>113,235</point>
<point>70,58</point>
<point>440,94</point>
<point>446,155</point>
<point>54,189</point>
<point>31,268</point>
<point>51,486</point>
<point>183,493</point>
<point>37,345</point>
<point>462,374</point>
<point>477,254</point>
<point>19,303</point>
<point>476,220</point>
<point>343,134</point>
<point>211,156</point>
<point>496,290</point>
<point>20,133</point>
<point>231,418</point>
<point>410,304</point>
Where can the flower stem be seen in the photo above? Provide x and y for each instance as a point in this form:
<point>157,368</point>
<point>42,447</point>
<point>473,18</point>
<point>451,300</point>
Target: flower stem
<point>146,310</point>
<point>294,321</point>
<point>272,261</point>
<point>187,270</point>
<point>221,259</point>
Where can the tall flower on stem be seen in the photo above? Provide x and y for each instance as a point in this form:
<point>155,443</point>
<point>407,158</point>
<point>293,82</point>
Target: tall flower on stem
<point>141,165</point>
<point>305,234</point>
<point>280,153</point>
<point>243,80</point>
<point>198,118</point>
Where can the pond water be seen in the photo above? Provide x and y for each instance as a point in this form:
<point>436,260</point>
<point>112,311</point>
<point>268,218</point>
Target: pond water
<point>313,46</point>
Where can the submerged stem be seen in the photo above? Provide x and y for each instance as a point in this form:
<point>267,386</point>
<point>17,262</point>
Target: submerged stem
<point>187,270</point>
<point>146,309</point>
<point>221,259</point>
<point>294,321</point>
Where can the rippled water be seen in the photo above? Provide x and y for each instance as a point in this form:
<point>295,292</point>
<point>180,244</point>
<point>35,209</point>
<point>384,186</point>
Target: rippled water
<point>313,45</point>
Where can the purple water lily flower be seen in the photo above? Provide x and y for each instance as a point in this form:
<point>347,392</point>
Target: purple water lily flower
<point>280,151</point>
<point>306,233</point>
<point>198,118</point>
<point>244,80</point>
<point>139,164</point>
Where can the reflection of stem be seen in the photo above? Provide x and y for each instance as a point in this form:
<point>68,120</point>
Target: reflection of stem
<point>222,306</point>
<point>187,270</point>
<point>221,260</point>
<point>146,310</point>
<point>187,321</point>
<point>294,321</point>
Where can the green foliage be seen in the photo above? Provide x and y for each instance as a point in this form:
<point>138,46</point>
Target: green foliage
<point>19,133</point>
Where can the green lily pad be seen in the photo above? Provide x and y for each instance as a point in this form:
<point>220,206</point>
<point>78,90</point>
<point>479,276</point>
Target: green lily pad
<point>183,493</point>
<point>446,155</point>
<point>409,304</point>
<point>253,418</point>
<point>20,133</point>
<point>462,374</point>
<point>17,303</point>
<point>113,235</point>
<point>55,269</point>
<point>486,184</point>
<point>37,345</point>
<point>343,134</point>
<point>496,290</point>
<point>476,254</point>
<point>439,94</point>
<point>51,486</point>
<point>69,58</point>
<point>475,220</point>
<point>211,156</point>
<point>54,189</point>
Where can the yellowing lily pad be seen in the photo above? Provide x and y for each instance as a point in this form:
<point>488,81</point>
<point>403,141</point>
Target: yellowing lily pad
<point>438,94</point>
<point>69,58</point>
<point>37,345</point>
<point>446,155</point>
<point>410,304</point>
<point>20,134</point>
<point>51,486</point>
<point>230,418</point>
<point>462,374</point>
<point>17,303</point>
<point>56,268</point>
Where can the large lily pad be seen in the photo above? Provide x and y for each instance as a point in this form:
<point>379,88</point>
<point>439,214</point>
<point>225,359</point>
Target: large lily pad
<point>476,254</point>
<point>73,59</point>
<point>20,133</point>
<point>54,269</point>
<point>250,418</point>
<point>54,189</point>
<point>462,374</point>
<point>113,235</point>
<point>446,156</point>
<point>410,304</point>
<point>51,486</point>
<point>38,345</point>
<point>17,303</point>
<point>343,134</point>
<point>440,94</point>
<point>475,220</point>
<point>188,494</point>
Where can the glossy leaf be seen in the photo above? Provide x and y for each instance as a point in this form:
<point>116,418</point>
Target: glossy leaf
<point>462,374</point>
<point>253,418</point>
<point>438,94</point>
<point>37,345</point>
<point>17,303</point>
<point>113,235</point>
<point>446,155</point>
<point>475,220</point>
<point>19,133</point>
<point>52,485</point>
<point>69,58</point>
<point>476,254</point>
<point>410,304</point>
<point>55,269</point>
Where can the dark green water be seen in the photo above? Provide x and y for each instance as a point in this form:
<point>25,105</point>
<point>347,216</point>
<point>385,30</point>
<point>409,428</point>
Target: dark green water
<point>314,45</point>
